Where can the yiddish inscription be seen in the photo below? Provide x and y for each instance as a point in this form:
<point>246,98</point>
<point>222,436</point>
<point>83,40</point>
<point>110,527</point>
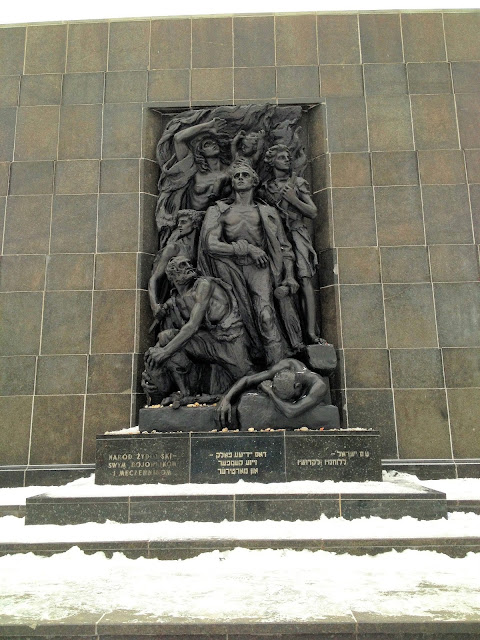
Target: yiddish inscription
<point>241,463</point>
<point>223,458</point>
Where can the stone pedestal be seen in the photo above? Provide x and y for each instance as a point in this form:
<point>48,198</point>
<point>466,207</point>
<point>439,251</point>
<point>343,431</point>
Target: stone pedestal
<point>261,456</point>
<point>254,408</point>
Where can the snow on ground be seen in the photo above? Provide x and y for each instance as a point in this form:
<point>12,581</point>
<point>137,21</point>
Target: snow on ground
<point>394,482</point>
<point>241,585</point>
<point>459,489</point>
<point>458,525</point>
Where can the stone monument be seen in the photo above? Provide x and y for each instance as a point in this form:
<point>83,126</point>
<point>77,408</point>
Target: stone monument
<point>237,380</point>
<point>232,284</point>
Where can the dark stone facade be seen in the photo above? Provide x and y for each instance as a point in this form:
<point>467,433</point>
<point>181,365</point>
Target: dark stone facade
<point>394,161</point>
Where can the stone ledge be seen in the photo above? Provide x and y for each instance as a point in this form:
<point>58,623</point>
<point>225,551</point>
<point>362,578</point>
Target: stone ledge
<point>183,549</point>
<point>387,502</point>
<point>352,626</point>
<point>15,475</point>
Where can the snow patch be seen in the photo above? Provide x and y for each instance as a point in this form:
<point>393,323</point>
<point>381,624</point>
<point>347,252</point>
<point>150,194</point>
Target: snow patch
<point>267,585</point>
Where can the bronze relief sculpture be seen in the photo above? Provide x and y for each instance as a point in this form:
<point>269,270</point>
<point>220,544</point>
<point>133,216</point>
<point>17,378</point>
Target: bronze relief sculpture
<point>232,283</point>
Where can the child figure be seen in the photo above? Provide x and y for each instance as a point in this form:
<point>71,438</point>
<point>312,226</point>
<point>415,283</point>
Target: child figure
<point>248,147</point>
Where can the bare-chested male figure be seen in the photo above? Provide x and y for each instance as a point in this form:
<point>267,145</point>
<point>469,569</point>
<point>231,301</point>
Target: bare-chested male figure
<point>292,388</point>
<point>207,329</point>
<point>245,245</point>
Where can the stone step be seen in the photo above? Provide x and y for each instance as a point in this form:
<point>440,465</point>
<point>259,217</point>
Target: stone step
<point>465,506</point>
<point>48,475</point>
<point>153,504</point>
<point>350,626</point>
<point>455,547</point>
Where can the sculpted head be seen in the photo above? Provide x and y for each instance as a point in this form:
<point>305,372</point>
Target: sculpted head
<point>286,386</point>
<point>279,156</point>
<point>243,176</point>
<point>188,220</point>
<point>179,270</point>
<point>249,143</point>
<point>207,146</point>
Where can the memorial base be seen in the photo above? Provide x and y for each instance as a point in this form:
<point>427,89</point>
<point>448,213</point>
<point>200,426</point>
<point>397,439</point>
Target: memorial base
<point>257,456</point>
<point>254,408</point>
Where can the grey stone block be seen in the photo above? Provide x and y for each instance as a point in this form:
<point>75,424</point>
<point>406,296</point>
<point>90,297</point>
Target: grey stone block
<point>257,411</point>
<point>181,419</point>
<point>321,357</point>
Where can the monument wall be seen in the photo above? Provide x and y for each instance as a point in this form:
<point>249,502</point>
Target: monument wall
<point>392,125</point>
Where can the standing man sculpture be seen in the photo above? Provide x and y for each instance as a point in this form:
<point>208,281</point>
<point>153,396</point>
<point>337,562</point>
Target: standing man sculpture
<point>244,243</point>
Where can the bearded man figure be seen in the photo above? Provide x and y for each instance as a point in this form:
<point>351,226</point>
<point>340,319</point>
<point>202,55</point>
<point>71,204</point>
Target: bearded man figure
<point>207,329</point>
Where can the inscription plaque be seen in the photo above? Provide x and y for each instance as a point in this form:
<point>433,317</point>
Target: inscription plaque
<point>130,460</point>
<point>227,458</point>
<point>343,457</point>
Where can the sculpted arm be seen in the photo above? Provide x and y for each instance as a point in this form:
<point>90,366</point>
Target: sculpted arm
<point>184,136</point>
<point>224,410</point>
<point>253,380</point>
<point>306,206</point>
<point>170,251</point>
<point>217,247</point>
<point>236,142</point>
<point>301,200</point>
<point>288,256</point>
<point>260,147</point>
<point>197,315</point>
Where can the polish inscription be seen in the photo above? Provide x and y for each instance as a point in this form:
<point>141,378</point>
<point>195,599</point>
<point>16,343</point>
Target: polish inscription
<point>148,459</point>
<point>131,465</point>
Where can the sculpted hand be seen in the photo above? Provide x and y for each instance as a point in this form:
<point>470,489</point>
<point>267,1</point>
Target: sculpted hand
<point>288,194</point>
<point>241,247</point>
<point>155,356</point>
<point>219,125</point>
<point>159,311</point>
<point>224,413</point>
<point>292,284</point>
<point>147,384</point>
<point>259,256</point>
<point>240,135</point>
